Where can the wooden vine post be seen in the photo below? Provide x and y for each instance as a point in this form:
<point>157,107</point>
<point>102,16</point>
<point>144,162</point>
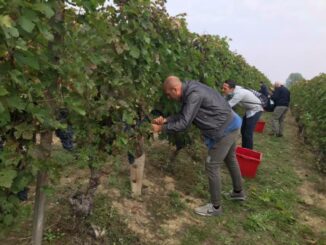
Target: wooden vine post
<point>40,197</point>
<point>137,169</point>
<point>46,138</point>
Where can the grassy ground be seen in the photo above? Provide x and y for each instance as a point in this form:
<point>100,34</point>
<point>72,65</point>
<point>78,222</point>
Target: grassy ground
<point>286,201</point>
<point>277,209</point>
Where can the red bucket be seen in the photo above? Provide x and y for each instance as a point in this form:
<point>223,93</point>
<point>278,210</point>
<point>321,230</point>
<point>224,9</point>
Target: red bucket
<point>248,161</point>
<point>260,125</point>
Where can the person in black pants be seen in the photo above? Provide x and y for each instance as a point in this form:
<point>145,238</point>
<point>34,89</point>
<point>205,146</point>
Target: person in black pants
<point>237,95</point>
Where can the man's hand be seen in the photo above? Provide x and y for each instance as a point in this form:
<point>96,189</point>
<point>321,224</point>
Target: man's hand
<point>159,120</point>
<point>156,128</point>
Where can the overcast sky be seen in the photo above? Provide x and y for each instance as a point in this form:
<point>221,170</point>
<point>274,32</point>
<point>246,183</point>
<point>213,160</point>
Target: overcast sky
<point>277,36</point>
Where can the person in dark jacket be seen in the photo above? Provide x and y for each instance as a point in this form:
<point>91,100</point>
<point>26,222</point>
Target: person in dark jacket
<point>219,124</point>
<point>281,98</point>
<point>263,89</point>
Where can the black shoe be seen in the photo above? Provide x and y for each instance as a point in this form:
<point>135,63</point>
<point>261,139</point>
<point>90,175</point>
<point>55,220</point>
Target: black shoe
<point>279,135</point>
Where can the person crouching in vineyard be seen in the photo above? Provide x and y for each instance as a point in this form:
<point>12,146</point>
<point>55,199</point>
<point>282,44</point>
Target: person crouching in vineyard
<point>250,102</point>
<point>219,124</point>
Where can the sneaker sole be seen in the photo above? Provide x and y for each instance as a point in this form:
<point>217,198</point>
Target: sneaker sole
<point>238,198</point>
<point>208,215</point>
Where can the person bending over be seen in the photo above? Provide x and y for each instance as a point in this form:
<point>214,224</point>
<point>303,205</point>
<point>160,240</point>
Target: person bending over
<point>246,99</point>
<point>209,111</point>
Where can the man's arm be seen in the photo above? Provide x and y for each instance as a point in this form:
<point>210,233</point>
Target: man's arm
<point>237,97</point>
<point>161,120</point>
<point>173,118</point>
<point>189,111</point>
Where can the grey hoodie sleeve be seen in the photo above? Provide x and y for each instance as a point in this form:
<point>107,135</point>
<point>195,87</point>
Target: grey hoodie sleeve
<point>173,118</point>
<point>189,111</point>
<point>237,97</point>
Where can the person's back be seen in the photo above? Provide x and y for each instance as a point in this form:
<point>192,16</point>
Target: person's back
<point>246,99</point>
<point>214,109</point>
<point>281,96</point>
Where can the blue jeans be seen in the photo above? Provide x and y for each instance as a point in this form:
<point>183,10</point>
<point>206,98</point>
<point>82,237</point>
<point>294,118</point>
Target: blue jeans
<point>247,130</point>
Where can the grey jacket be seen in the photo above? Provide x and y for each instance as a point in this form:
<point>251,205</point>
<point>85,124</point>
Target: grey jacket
<point>204,107</point>
<point>247,100</point>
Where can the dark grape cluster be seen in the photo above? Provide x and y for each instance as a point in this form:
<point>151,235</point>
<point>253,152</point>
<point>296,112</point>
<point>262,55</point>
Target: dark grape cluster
<point>23,194</point>
<point>66,137</point>
<point>131,158</point>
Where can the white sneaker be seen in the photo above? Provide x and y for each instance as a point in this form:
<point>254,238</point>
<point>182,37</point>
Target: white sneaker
<point>208,210</point>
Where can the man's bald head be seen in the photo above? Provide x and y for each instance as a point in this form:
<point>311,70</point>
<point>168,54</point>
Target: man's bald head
<point>173,87</point>
<point>172,81</point>
<point>277,84</point>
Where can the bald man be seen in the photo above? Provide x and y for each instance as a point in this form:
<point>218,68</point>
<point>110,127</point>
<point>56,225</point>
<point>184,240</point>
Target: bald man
<point>209,111</point>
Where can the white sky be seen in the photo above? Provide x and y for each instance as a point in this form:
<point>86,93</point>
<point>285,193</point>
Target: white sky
<point>277,36</point>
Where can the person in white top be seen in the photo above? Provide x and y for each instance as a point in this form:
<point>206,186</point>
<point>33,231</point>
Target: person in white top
<point>250,102</point>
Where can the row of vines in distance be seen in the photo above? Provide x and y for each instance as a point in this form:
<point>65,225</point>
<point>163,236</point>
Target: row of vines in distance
<point>309,108</point>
